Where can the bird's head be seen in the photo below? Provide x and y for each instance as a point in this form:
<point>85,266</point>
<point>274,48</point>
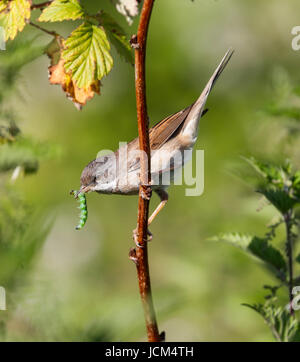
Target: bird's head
<point>96,175</point>
<point>88,179</point>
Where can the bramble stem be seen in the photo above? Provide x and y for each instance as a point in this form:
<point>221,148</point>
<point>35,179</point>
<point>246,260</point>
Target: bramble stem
<point>140,254</point>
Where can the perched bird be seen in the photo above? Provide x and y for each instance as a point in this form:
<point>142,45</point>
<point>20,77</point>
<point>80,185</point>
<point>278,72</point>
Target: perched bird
<point>119,172</point>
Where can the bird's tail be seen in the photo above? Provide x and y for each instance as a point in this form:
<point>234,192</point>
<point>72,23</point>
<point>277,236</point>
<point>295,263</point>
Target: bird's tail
<point>192,120</point>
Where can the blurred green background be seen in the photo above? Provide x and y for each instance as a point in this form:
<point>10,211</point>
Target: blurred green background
<point>83,287</point>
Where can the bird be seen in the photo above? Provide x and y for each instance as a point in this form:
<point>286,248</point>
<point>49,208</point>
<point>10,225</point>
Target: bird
<point>119,172</point>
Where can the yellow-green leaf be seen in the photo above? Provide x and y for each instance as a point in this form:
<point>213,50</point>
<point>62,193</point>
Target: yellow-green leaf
<point>87,54</point>
<point>3,5</point>
<point>13,16</point>
<point>60,10</point>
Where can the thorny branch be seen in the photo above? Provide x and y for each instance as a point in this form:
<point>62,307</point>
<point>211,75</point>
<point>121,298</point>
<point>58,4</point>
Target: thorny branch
<point>140,254</point>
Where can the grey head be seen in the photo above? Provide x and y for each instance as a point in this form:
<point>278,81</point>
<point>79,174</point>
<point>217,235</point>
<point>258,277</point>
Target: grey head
<point>99,175</point>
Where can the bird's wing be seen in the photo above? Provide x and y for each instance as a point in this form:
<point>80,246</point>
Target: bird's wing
<point>163,130</point>
<point>159,134</point>
<point>185,120</point>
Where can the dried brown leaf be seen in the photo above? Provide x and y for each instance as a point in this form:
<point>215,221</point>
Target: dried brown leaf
<point>58,75</point>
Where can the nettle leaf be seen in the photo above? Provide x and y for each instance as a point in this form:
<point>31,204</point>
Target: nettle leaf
<point>13,16</point>
<point>259,248</point>
<point>280,199</point>
<point>263,250</point>
<point>87,55</point>
<point>239,240</point>
<point>117,36</point>
<point>58,75</point>
<point>284,327</point>
<point>270,172</point>
<point>60,10</point>
<point>273,173</point>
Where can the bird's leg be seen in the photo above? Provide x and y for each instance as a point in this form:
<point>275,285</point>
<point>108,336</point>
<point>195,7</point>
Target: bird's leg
<point>145,193</point>
<point>163,200</point>
<point>163,195</point>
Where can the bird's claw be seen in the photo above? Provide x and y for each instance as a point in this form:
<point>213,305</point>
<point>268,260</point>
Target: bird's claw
<point>146,192</point>
<point>134,42</point>
<point>132,256</point>
<point>135,236</point>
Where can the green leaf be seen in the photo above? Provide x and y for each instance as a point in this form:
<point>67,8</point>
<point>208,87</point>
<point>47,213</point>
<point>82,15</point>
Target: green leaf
<point>117,36</point>
<point>13,16</point>
<point>298,258</point>
<point>270,172</point>
<point>258,248</point>
<point>239,240</point>
<point>87,54</point>
<point>280,199</point>
<point>60,10</point>
<point>284,327</point>
<point>267,253</point>
<point>280,186</point>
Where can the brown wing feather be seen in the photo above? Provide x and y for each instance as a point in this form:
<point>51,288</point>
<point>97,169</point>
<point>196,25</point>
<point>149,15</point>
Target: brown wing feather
<point>162,131</point>
<point>159,134</point>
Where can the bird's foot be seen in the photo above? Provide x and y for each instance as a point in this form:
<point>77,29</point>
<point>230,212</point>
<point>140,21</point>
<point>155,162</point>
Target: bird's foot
<point>146,192</point>
<point>134,42</point>
<point>132,256</point>
<point>135,236</point>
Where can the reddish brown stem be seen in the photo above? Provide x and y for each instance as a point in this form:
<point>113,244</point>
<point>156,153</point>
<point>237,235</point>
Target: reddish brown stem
<point>141,253</point>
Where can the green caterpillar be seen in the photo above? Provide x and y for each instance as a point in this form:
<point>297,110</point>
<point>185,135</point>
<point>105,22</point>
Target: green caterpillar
<point>83,208</point>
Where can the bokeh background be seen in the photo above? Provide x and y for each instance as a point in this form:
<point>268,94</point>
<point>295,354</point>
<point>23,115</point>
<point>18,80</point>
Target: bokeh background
<point>82,286</point>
